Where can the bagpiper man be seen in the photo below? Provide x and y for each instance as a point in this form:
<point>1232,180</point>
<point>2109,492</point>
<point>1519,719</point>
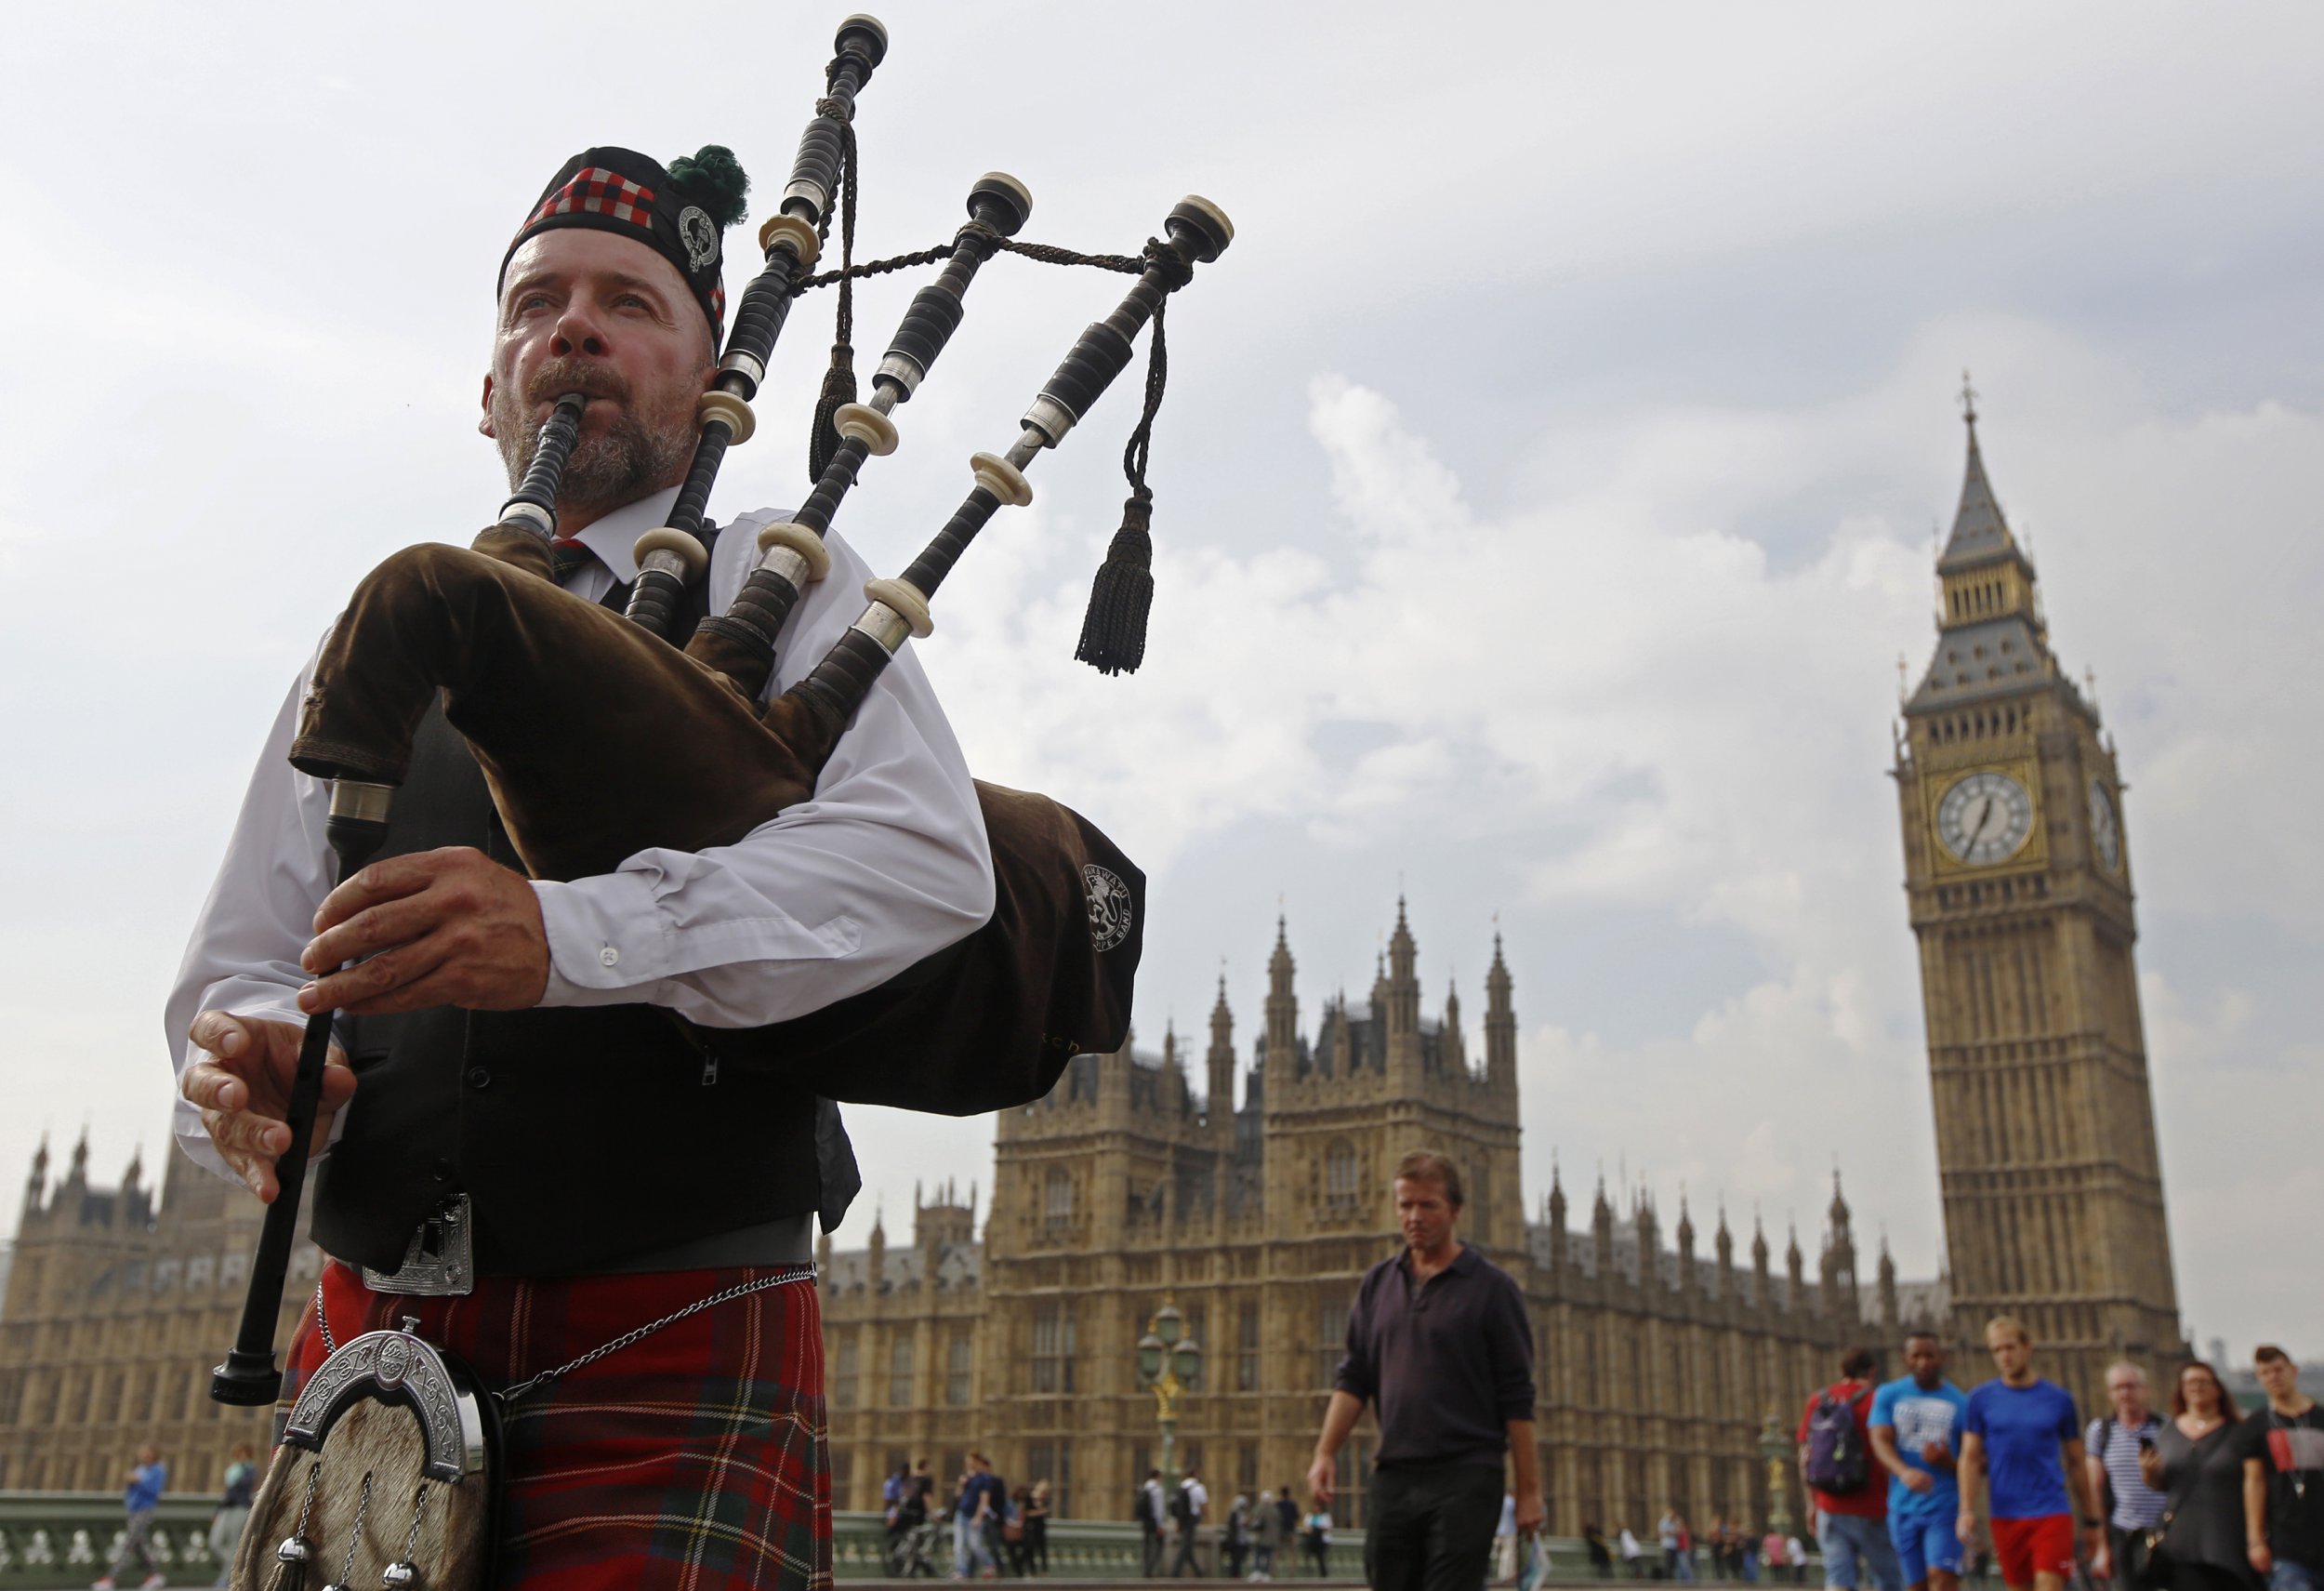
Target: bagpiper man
<point>529,1143</point>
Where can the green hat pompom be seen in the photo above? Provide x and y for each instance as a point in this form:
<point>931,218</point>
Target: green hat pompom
<point>713,179</point>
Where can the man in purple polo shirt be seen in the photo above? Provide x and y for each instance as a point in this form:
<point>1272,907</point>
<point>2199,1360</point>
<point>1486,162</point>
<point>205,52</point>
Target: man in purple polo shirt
<point>1437,1340</point>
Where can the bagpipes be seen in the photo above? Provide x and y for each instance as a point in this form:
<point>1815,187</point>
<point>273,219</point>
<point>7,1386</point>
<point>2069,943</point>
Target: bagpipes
<point>597,737</point>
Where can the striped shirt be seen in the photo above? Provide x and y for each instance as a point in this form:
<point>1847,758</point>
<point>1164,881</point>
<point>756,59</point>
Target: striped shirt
<point>2137,1505</point>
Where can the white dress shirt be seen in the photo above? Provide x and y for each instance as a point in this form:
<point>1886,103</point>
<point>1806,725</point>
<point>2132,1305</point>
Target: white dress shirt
<point>887,864</point>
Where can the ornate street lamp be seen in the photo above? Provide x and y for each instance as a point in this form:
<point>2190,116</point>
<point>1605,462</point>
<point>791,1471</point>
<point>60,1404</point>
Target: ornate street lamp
<point>1776,1451</point>
<point>1168,1362</point>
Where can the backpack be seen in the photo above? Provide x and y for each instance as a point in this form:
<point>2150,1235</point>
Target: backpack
<point>1141,1506</point>
<point>1836,1460</point>
<point>1182,1506</point>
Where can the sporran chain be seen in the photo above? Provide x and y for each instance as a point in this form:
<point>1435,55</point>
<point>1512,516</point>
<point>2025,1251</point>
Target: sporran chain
<point>507,1396</point>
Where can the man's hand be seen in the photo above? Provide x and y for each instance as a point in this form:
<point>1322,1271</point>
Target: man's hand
<point>449,927</point>
<point>244,1092</point>
<point>1915,1479</point>
<point>2263,1560</point>
<point>1321,1477</point>
<point>2102,1563</point>
<point>1530,1513</point>
<point>1965,1527</point>
<point>1936,1455</point>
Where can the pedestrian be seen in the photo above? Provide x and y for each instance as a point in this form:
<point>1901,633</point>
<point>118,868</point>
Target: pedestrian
<point>1187,1509</point>
<point>1267,1536</point>
<point>1593,1542</point>
<point>1667,1538</point>
<point>2023,1430</point>
<point>1147,1510</point>
<point>1836,1466</point>
<point>1016,1545</point>
<point>2198,1466</point>
<point>1634,1556</point>
<point>1916,1425</point>
<point>1771,1552</point>
<point>1686,1550</point>
<point>140,1496</point>
<point>891,1494</point>
<point>1795,1554</point>
<point>1438,1342</point>
<point>2283,1478</point>
<point>2111,1447</point>
<point>1317,1535</point>
<point>971,1515</point>
<point>234,1509</point>
<point>1036,1518</point>
<point>1288,1517</point>
<point>1235,1539</point>
<point>916,1539</point>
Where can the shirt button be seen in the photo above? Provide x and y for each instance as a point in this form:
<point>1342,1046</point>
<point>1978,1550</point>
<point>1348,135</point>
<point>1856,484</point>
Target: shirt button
<point>608,957</point>
<point>478,1077</point>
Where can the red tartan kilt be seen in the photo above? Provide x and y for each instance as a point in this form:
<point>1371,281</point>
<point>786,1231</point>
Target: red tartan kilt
<point>696,1458</point>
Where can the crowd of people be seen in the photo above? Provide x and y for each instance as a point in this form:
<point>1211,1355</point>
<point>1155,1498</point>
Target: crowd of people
<point>2205,1498</point>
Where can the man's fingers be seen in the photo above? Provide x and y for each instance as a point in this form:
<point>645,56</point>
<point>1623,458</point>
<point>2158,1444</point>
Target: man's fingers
<point>359,989</point>
<point>391,880</point>
<point>221,1035</point>
<point>375,928</point>
<point>243,1133</point>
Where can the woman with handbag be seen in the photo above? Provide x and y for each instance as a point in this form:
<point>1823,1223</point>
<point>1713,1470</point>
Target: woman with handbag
<point>2192,1460</point>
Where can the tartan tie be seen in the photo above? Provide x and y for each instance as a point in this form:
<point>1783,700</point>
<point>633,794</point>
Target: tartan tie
<point>567,556</point>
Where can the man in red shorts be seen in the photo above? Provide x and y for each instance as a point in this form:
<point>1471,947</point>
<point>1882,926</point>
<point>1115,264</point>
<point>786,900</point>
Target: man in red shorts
<point>2023,1431</point>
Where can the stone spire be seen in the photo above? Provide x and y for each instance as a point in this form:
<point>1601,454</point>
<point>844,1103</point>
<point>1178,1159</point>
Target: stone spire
<point>1602,1225</point>
<point>1221,1103</point>
<point>1283,1010</point>
<point>876,1264</point>
<point>1889,1312</point>
<point>1795,1266</point>
<point>1759,1254</point>
<point>1686,1246</point>
<point>1456,1048</point>
<point>1501,1025</point>
<point>1991,636</point>
<point>36,1185</point>
<point>1723,1246</point>
<point>1403,1003</point>
<point>76,1174</point>
<point>1556,1213</point>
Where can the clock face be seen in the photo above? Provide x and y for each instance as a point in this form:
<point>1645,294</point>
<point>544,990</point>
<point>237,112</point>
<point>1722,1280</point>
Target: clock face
<point>1983,818</point>
<point>2105,830</point>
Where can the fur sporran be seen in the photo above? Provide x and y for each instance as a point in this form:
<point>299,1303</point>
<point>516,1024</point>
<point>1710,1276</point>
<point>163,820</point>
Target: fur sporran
<point>385,1474</point>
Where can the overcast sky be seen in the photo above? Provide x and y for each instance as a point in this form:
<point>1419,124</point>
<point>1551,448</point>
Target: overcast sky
<point>1545,496</point>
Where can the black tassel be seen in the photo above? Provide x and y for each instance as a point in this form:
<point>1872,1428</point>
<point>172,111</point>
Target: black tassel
<point>838,390</point>
<point>1113,630</point>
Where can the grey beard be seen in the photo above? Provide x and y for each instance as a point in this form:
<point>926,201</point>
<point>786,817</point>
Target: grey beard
<point>628,462</point>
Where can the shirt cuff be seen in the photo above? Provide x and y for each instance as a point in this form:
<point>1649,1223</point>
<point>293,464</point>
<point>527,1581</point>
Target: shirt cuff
<point>603,942</point>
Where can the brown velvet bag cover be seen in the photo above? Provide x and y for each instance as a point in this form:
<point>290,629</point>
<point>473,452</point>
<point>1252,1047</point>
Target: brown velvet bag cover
<point>597,741</point>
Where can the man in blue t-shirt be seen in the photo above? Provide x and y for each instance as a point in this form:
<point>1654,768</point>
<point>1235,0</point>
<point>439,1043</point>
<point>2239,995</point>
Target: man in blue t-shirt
<point>141,1495</point>
<point>1916,1429</point>
<point>2024,1429</point>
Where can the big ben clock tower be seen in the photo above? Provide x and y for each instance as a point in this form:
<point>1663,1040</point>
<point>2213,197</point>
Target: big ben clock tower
<point>2018,873</point>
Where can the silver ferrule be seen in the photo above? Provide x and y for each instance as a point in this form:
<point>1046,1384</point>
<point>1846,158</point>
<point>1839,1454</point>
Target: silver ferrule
<point>901,371</point>
<point>1028,445</point>
<point>811,195</point>
<point>786,561</point>
<point>743,364</point>
<point>886,625</point>
<point>360,800</point>
<point>1051,418</point>
<point>662,558</point>
<point>519,510</point>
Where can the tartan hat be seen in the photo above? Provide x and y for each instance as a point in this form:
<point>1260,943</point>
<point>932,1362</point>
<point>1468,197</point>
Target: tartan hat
<point>680,211</point>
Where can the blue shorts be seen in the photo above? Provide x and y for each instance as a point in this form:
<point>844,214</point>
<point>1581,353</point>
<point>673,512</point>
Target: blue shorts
<point>1924,1541</point>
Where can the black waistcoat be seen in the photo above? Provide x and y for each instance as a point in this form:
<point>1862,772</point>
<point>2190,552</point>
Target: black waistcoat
<point>581,1135</point>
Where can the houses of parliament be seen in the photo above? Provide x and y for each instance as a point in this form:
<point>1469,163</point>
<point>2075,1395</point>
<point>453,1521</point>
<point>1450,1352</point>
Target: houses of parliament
<point>1247,1182</point>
